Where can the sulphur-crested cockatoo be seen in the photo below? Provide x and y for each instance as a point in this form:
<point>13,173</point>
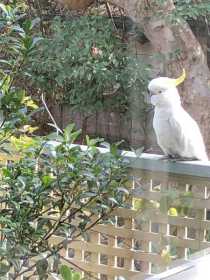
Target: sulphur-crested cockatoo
<point>177,133</point>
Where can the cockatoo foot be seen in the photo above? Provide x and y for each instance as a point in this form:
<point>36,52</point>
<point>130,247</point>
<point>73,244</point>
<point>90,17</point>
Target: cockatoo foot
<point>167,157</point>
<point>176,158</point>
<point>185,159</point>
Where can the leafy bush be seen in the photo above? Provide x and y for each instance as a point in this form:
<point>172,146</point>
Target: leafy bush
<point>16,45</point>
<point>85,64</point>
<point>54,188</point>
<point>189,9</point>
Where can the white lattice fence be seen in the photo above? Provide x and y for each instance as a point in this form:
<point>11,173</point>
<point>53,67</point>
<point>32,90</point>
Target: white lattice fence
<point>168,221</point>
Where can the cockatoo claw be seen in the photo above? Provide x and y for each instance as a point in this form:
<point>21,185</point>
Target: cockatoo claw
<point>167,158</point>
<point>186,159</point>
<point>172,158</point>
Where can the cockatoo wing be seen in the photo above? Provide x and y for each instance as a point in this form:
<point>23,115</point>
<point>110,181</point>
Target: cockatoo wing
<point>187,136</point>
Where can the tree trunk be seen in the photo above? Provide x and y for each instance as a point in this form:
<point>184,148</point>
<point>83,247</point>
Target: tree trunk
<point>178,39</point>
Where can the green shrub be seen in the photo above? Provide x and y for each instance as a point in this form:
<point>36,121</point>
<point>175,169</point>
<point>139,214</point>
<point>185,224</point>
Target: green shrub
<point>85,64</point>
<point>16,46</point>
<point>56,189</point>
<point>53,185</point>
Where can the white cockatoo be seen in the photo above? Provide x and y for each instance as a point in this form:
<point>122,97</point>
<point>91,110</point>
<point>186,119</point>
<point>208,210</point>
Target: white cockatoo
<point>178,134</point>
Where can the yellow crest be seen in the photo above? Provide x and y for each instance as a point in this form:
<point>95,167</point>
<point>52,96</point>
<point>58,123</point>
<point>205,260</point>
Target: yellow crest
<point>181,79</point>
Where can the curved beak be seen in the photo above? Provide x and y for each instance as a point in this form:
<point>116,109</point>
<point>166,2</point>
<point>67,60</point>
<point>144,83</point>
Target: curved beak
<point>151,93</point>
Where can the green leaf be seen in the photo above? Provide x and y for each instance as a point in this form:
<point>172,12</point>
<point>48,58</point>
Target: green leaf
<point>7,62</point>
<point>66,272</point>
<point>124,190</point>
<point>47,180</point>
<point>4,8</point>
<point>139,151</point>
<point>67,132</point>
<point>41,267</point>
<point>112,199</point>
<point>36,40</point>
<point>76,276</point>
<point>4,268</point>
<point>88,194</point>
<point>35,21</point>
<point>27,25</point>
<point>70,135</point>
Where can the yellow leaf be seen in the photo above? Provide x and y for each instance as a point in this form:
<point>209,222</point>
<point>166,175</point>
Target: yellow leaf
<point>165,254</point>
<point>28,128</point>
<point>23,142</point>
<point>29,102</point>
<point>172,212</point>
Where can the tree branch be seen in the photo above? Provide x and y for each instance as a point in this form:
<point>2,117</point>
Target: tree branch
<point>51,116</point>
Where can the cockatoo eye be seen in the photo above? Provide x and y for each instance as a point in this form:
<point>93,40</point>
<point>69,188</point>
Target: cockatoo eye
<point>160,91</point>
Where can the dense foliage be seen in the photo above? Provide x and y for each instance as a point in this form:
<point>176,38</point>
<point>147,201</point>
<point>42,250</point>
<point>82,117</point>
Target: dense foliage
<point>15,106</point>
<point>80,63</point>
<point>55,189</point>
<point>85,65</point>
<point>189,9</point>
<point>52,187</point>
